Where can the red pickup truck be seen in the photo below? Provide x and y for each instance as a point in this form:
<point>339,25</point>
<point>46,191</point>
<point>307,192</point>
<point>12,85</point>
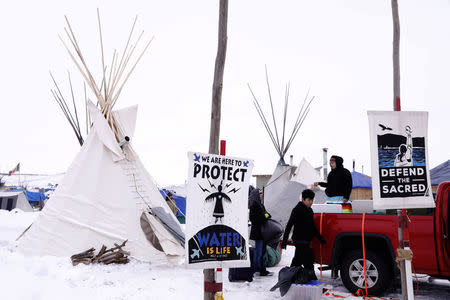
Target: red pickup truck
<point>429,231</point>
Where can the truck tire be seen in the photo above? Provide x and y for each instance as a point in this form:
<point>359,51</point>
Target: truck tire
<point>379,274</point>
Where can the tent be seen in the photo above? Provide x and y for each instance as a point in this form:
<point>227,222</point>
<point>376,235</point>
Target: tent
<point>101,200</point>
<point>361,181</point>
<point>440,173</point>
<point>14,199</point>
<point>31,196</point>
<point>362,186</point>
<point>285,187</point>
<point>106,196</point>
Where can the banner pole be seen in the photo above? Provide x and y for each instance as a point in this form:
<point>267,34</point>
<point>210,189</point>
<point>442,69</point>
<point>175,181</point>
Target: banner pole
<point>219,274</point>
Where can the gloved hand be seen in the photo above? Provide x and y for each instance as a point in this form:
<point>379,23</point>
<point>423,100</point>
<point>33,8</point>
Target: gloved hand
<point>322,241</point>
<point>267,215</point>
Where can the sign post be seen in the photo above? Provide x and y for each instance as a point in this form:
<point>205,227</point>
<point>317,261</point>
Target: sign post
<point>216,213</point>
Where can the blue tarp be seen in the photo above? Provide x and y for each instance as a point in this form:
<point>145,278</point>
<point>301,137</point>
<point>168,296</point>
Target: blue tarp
<point>35,196</point>
<point>361,181</point>
<point>180,201</point>
<point>31,196</point>
<point>440,173</point>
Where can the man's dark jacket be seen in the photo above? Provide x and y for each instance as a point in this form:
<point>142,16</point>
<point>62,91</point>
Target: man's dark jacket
<point>339,181</point>
<point>302,218</point>
<point>257,215</point>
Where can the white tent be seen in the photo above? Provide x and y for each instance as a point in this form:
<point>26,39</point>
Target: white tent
<point>283,191</point>
<point>101,200</point>
<point>11,200</point>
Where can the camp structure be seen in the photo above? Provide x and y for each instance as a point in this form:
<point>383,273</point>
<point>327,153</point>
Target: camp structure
<point>286,189</point>
<point>106,196</point>
<point>362,186</point>
<point>10,200</point>
<point>439,174</point>
<point>281,193</point>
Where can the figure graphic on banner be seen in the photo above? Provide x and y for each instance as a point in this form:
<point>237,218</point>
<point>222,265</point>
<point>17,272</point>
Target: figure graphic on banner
<point>404,156</point>
<point>218,196</point>
<point>400,148</point>
<point>218,208</point>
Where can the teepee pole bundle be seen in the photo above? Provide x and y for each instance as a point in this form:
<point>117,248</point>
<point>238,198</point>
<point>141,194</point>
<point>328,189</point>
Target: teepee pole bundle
<point>71,118</point>
<point>114,78</point>
<point>282,148</point>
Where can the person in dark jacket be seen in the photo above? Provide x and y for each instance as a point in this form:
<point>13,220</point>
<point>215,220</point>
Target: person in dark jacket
<point>339,181</point>
<point>258,216</point>
<point>302,219</point>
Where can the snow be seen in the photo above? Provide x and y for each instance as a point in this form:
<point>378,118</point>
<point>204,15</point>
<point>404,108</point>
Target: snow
<point>32,180</point>
<point>55,278</point>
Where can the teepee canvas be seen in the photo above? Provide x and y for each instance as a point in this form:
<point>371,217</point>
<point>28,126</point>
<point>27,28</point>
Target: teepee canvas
<point>101,200</point>
<point>106,195</point>
<point>286,186</point>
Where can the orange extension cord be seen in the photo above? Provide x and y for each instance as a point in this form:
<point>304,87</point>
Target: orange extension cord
<point>320,231</point>
<point>364,252</point>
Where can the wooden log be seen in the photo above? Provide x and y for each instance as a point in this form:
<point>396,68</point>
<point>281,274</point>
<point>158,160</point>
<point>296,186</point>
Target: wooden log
<point>83,254</point>
<point>127,253</point>
<point>109,256</point>
<point>85,261</point>
<point>100,253</point>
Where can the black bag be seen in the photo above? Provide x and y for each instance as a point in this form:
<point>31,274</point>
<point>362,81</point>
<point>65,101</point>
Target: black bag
<point>289,275</point>
<point>272,231</point>
<point>240,274</point>
<point>243,274</point>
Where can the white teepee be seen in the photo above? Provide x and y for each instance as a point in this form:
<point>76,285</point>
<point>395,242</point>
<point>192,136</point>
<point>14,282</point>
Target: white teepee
<point>285,187</point>
<point>101,200</point>
<point>106,195</point>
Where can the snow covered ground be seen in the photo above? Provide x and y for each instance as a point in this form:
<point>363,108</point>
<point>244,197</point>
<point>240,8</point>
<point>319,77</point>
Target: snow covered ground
<point>32,181</point>
<point>47,278</point>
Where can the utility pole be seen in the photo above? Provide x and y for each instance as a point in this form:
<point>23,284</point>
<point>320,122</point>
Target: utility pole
<point>396,54</point>
<point>210,285</point>
<point>218,79</point>
<point>401,213</point>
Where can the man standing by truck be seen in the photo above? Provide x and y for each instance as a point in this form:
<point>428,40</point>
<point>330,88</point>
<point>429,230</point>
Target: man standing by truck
<point>339,182</point>
<point>302,219</point>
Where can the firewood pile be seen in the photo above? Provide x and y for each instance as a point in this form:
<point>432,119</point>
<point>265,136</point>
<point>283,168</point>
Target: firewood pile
<point>105,256</point>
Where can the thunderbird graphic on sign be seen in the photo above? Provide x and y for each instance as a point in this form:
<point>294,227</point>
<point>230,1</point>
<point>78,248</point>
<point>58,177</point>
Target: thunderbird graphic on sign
<point>218,197</point>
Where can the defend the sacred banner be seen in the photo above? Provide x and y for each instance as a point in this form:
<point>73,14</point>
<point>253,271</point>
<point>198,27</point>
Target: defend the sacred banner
<point>217,211</point>
<point>399,155</point>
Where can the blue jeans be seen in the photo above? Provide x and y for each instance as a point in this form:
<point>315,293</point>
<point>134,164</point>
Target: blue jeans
<point>258,258</point>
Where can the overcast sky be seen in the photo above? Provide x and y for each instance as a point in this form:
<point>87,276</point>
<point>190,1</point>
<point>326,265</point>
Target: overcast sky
<point>342,50</point>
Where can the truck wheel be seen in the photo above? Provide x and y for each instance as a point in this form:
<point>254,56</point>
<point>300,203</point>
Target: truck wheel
<point>379,275</point>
